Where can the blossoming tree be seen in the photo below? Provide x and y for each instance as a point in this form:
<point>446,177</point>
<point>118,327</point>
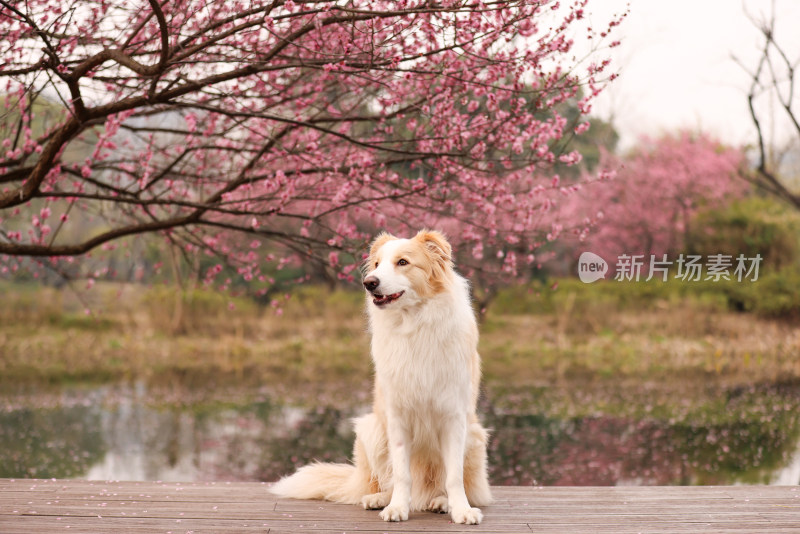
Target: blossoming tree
<point>647,209</point>
<point>264,130</point>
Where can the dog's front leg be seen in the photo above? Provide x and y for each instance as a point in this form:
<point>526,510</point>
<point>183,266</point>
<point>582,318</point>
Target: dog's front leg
<point>400,455</point>
<point>454,436</point>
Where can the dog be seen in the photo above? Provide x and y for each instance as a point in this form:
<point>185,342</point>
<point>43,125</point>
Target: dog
<point>422,446</point>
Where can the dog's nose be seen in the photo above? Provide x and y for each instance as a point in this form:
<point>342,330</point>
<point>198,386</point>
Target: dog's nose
<point>371,283</point>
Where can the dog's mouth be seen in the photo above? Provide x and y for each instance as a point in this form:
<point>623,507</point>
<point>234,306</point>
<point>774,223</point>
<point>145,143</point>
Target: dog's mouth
<point>383,300</point>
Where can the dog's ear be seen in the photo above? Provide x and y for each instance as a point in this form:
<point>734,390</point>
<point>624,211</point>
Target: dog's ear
<point>441,255</point>
<point>436,243</point>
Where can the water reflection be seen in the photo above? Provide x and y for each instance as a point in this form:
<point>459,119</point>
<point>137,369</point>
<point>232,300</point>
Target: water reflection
<point>45,443</point>
<point>121,433</point>
<point>603,451</point>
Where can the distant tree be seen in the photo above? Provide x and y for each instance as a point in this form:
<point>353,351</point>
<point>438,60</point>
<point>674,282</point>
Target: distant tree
<point>774,76</point>
<point>225,126</point>
<point>658,188</point>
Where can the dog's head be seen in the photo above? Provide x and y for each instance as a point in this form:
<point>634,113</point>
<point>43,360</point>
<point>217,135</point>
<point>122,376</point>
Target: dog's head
<point>407,270</point>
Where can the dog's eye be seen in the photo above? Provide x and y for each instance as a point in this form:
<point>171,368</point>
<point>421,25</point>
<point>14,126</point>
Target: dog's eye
<point>376,264</point>
<point>402,262</point>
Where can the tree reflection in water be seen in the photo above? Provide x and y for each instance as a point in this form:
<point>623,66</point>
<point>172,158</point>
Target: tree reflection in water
<point>747,436</point>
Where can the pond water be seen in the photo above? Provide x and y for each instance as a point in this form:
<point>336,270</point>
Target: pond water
<point>541,436</point>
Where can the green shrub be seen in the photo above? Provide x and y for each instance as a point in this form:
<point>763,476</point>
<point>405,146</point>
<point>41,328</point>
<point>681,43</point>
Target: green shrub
<point>749,226</point>
<point>752,226</point>
<point>774,295</point>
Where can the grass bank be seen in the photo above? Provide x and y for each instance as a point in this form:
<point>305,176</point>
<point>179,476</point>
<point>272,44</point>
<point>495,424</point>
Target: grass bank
<point>532,336</point>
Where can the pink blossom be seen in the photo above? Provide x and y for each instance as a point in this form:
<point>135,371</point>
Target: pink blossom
<point>642,203</point>
<point>308,128</point>
<point>191,121</point>
<point>526,27</point>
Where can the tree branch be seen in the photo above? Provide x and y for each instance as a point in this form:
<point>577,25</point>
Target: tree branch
<point>768,179</point>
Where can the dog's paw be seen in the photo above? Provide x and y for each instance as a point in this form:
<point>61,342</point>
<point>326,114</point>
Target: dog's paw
<point>467,516</point>
<point>394,513</point>
<point>439,505</point>
<point>375,501</point>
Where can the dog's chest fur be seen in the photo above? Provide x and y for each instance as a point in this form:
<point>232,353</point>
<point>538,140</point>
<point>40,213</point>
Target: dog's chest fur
<point>422,356</point>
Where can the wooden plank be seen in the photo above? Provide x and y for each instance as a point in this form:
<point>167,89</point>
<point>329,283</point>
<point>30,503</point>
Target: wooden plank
<point>155,509</point>
<point>28,506</point>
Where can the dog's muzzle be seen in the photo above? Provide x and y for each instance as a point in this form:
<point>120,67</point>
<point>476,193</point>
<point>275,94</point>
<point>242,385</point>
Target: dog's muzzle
<point>371,284</point>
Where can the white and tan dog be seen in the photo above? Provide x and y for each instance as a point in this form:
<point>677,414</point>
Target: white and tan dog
<point>422,447</point>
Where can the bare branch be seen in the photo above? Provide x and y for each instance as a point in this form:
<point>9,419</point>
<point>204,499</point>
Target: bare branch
<point>37,174</point>
<point>164,30</point>
<point>766,177</point>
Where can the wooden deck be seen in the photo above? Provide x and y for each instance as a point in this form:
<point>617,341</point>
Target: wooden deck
<point>47,506</point>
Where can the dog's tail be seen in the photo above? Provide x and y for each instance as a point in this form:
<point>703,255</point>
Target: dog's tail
<point>332,482</point>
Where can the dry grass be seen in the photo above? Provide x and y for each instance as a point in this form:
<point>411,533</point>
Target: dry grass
<point>679,342</point>
<point>320,338</point>
<point>136,335</point>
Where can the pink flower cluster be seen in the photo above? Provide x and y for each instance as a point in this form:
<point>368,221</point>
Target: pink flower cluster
<point>307,126</point>
<point>656,190</point>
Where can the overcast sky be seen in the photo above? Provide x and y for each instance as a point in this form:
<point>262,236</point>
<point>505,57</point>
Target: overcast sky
<point>676,67</point>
